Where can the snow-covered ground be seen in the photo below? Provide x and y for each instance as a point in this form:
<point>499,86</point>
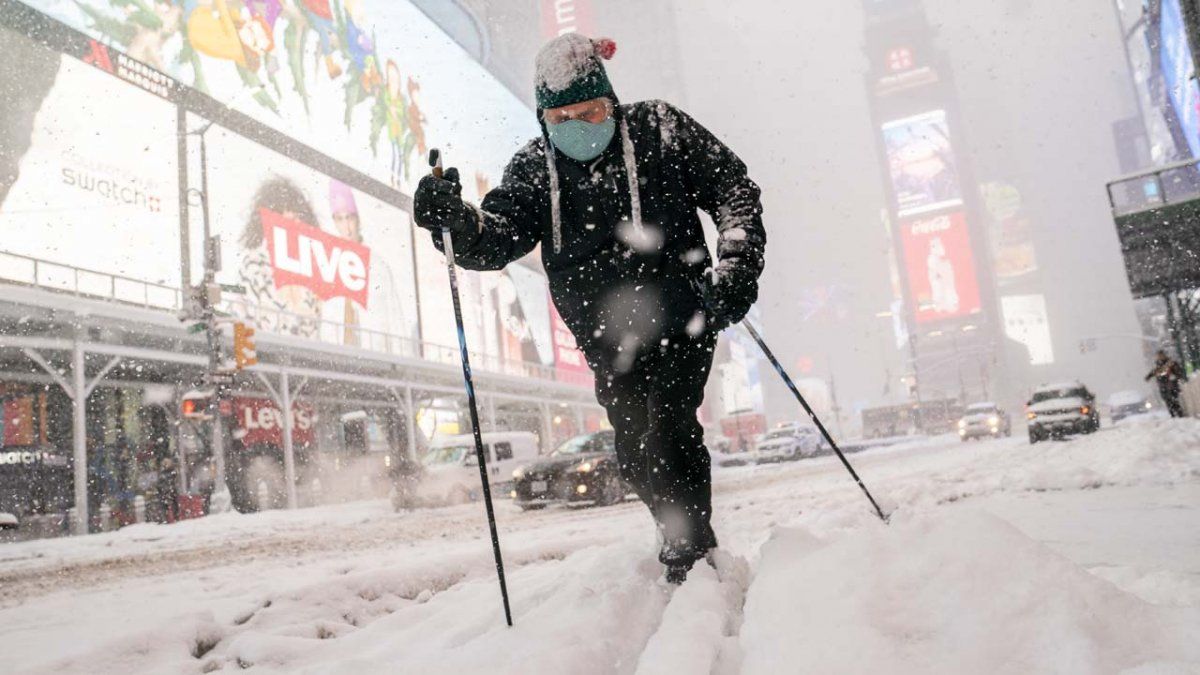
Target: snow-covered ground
<point>1079,556</point>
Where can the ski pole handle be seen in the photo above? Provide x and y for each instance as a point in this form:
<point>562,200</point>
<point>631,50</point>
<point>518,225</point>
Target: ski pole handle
<point>435,162</point>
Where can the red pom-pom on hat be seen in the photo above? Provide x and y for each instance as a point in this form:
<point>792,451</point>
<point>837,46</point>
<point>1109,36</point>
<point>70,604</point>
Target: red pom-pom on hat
<point>605,48</point>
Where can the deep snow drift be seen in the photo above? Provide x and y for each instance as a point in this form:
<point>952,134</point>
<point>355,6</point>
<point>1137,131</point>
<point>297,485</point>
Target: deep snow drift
<point>807,580</point>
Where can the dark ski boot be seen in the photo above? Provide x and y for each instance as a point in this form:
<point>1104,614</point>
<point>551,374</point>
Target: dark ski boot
<point>679,555</point>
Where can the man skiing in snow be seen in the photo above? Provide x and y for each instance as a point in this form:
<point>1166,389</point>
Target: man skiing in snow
<point>611,193</point>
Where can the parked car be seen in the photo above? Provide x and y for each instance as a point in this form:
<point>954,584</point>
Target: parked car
<point>787,443</point>
<point>451,468</point>
<point>1061,409</point>
<point>984,420</point>
<point>583,469</point>
<point>1128,403</point>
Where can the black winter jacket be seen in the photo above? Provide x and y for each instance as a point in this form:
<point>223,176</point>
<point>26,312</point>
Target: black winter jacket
<point>617,288</point>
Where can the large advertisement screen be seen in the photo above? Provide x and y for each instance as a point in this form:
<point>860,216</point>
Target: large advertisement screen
<point>317,259</point>
<point>1026,321</point>
<point>1178,72</point>
<point>921,163</point>
<point>941,270</point>
<point>82,186</point>
<point>372,83</point>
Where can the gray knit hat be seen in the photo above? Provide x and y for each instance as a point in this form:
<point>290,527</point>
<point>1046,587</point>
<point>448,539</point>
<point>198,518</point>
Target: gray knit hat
<point>568,69</point>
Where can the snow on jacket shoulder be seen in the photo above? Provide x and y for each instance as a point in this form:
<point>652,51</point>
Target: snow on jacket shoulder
<point>680,166</point>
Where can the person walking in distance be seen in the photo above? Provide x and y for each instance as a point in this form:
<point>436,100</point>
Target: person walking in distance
<point>611,191</point>
<point>1170,378</point>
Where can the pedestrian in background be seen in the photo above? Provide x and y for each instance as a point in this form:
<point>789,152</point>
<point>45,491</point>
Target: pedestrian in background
<point>1170,377</point>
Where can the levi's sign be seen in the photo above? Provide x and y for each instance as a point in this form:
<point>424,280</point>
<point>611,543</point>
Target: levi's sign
<point>303,255</point>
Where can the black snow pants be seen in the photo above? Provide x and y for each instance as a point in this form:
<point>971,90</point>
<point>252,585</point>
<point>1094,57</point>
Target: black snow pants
<point>660,443</point>
<point>1170,396</point>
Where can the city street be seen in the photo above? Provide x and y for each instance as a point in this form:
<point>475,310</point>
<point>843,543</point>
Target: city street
<point>980,528</point>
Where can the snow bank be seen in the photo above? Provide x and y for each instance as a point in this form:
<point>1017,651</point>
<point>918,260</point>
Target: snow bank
<point>957,592</point>
<point>1154,452</point>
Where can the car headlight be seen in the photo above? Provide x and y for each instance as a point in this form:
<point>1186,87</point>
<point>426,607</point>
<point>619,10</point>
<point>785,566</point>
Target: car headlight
<point>1147,405</point>
<point>1031,415</point>
<point>584,468</point>
<point>1085,410</point>
<point>993,420</point>
<point>518,473</point>
<point>962,423</point>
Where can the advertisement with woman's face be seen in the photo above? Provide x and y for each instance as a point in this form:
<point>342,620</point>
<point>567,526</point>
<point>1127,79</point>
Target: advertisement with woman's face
<point>317,259</point>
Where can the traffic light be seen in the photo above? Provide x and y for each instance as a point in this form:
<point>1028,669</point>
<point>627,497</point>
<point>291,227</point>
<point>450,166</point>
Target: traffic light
<point>196,404</point>
<point>244,349</point>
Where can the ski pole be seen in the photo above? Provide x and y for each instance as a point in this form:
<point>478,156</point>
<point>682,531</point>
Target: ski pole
<point>813,416</point>
<point>435,161</point>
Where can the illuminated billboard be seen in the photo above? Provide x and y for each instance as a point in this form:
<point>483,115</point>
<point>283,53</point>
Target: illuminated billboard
<point>1026,321</point>
<point>942,280</point>
<point>90,190</point>
<point>371,83</point>
<point>921,163</point>
<point>1178,71</point>
<point>317,258</point>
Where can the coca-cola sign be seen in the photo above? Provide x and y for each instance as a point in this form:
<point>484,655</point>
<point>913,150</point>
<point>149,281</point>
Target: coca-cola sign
<point>260,422</point>
<point>303,255</point>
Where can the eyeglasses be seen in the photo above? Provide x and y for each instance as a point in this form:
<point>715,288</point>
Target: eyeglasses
<point>595,110</point>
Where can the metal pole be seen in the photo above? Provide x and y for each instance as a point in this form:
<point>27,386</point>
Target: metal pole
<point>547,430</point>
<point>1173,326</point>
<point>181,157</point>
<point>448,244</point>
<point>491,412</point>
<point>79,418</point>
<point>410,423</point>
<point>813,416</point>
<point>182,453</point>
<point>289,451</point>
<point>474,412</point>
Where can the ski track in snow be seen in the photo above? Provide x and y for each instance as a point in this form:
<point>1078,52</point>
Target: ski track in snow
<point>807,580</point>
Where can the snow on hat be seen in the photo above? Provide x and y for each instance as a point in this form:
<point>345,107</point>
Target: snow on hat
<point>568,70</point>
<point>341,198</point>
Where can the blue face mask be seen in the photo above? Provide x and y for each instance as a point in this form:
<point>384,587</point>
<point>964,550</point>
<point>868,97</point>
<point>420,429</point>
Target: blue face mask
<point>579,140</point>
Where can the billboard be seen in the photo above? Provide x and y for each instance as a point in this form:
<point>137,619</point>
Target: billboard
<point>1026,321</point>
<point>317,258</point>
<point>1178,71</point>
<point>560,17</point>
<point>86,188</point>
<point>258,421</point>
<point>921,163</point>
<point>371,83</point>
<point>569,362</point>
<point>1013,252</point>
<point>941,270</point>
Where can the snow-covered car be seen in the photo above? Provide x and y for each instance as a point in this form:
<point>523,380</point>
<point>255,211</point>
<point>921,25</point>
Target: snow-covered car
<point>1056,410</point>
<point>9,521</point>
<point>1128,403</point>
<point>583,469</point>
<point>451,468</point>
<point>984,420</point>
<point>787,444</point>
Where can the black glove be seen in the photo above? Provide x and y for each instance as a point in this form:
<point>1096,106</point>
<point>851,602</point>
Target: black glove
<point>438,205</point>
<point>728,292</point>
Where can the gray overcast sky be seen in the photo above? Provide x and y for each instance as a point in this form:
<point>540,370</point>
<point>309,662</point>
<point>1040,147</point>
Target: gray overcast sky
<point>1040,85</point>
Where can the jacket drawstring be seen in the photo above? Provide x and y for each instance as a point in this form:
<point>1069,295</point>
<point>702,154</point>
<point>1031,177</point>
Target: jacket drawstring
<point>635,201</point>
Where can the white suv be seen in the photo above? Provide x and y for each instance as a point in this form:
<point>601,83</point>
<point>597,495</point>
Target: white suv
<point>1056,410</point>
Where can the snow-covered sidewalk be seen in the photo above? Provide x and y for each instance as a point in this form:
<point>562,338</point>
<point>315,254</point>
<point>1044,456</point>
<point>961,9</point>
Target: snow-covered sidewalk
<point>1080,556</point>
